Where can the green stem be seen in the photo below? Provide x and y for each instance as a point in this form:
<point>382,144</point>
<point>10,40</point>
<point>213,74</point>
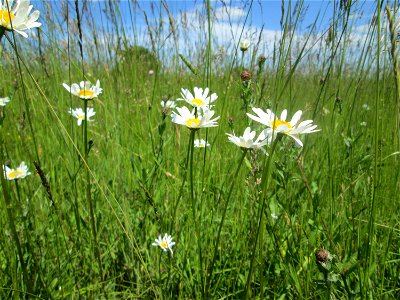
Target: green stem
<point>192,196</point>
<point>225,209</point>
<point>264,187</point>
<point>88,192</point>
<point>11,220</point>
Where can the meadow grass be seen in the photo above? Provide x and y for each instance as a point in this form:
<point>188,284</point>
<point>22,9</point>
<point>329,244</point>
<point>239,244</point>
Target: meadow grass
<point>318,221</point>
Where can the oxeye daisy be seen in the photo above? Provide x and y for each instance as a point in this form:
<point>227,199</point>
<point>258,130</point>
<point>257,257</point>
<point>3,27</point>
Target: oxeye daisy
<point>193,121</point>
<point>244,45</point>
<point>200,98</point>
<point>167,104</point>
<point>247,140</point>
<point>164,243</point>
<point>20,172</point>
<point>80,114</point>
<point>84,90</point>
<point>277,125</point>
<point>200,143</point>
<point>4,101</point>
<point>15,15</point>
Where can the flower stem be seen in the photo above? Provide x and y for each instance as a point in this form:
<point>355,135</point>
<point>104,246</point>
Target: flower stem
<point>225,209</point>
<point>88,192</point>
<point>192,196</point>
<point>264,188</point>
<point>11,220</point>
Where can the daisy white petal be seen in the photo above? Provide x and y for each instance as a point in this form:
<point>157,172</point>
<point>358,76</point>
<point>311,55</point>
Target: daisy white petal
<point>247,140</point>
<point>4,101</point>
<point>200,143</point>
<point>20,172</point>
<point>15,15</point>
<point>80,114</point>
<point>165,243</point>
<point>280,125</point>
<point>190,120</point>
<point>85,90</point>
<point>199,99</point>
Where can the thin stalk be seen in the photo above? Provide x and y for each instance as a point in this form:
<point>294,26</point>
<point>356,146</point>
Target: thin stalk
<point>225,209</point>
<point>88,192</point>
<point>264,187</point>
<point>11,221</point>
<point>192,196</point>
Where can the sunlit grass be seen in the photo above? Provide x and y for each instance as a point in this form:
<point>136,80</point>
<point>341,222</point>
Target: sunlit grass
<point>318,221</point>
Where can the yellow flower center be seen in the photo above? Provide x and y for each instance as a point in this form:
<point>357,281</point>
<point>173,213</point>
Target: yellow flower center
<point>193,123</point>
<point>277,123</point>
<point>86,93</point>
<point>164,244</point>
<point>81,117</point>
<point>201,145</point>
<point>198,102</point>
<point>5,18</point>
<point>14,174</point>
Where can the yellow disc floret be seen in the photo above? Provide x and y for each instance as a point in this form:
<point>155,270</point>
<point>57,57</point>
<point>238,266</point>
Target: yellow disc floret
<point>193,123</point>
<point>198,102</point>
<point>5,18</point>
<point>86,93</point>
<point>275,124</point>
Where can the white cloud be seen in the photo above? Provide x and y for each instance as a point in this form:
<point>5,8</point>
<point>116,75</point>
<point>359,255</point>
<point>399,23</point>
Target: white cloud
<point>229,13</point>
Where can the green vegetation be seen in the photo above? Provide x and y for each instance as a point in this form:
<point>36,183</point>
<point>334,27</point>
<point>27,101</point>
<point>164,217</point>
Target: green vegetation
<point>83,223</point>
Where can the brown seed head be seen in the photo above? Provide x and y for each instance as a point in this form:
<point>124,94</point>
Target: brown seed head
<point>322,255</point>
<point>245,75</point>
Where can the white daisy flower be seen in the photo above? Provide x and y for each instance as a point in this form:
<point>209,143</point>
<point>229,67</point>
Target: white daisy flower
<point>244,45</point>
<point>167,104</point>
<point>200,97</point>
<point>165,243</point>
<point>85,90</point>
<point>277,125</point>
<point>18,18</point>
<point>20,172</point>
<point>3,101</point>
<point>189,119</point>
<point>80,114</point>
<point>200,143</point>
<point>247,140</point>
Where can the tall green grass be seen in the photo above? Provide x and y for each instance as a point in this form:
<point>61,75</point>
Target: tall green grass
<point>245,225</point>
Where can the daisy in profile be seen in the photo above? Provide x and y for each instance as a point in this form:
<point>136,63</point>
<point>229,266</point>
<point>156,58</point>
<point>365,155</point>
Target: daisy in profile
<point>244,45</point>
<point>277,124</point>
<point>80,114</point>
<point>200,143</point>
<point>193,121</point>
<point>168,104</point>
<point>247,140</point>
<point>84,90</point>
<point>164,243</point>
<point>20,172</point>
<point>16,15</point>
<point>200,98</point>
<point>4,101</point>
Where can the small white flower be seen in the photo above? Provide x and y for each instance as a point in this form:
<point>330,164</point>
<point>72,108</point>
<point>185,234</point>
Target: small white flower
<point>20,172</point>
<point>189,119</point>
<point>151,72</point>
<point>3,101</point>
<point>84,90</point>
<point>364,124</point>
<point>280,125</point>
<point>200,143</point>
<point>168,104</point>
<point>164,243</point>
<point>244,45</point>
<point>200,97</point>
<point>274,216</point>
<point>80,114</point>
<point>247,140</point>
<point>18,18</point>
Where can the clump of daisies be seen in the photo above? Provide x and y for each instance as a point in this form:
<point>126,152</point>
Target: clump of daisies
<point>201,113</point>
<point>165,242</point>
